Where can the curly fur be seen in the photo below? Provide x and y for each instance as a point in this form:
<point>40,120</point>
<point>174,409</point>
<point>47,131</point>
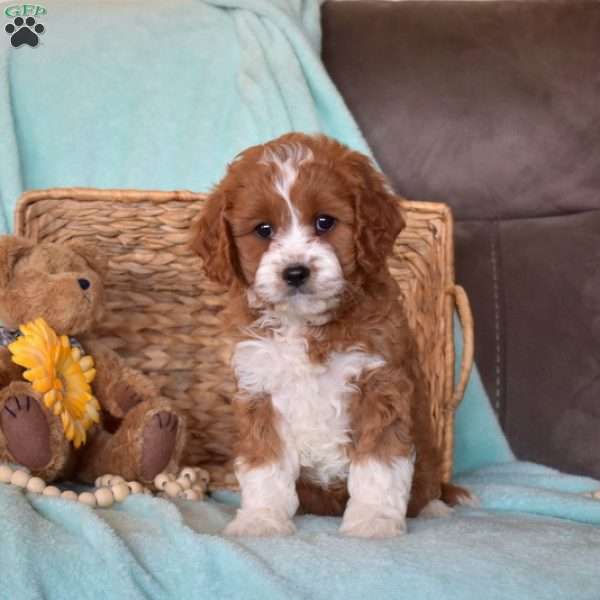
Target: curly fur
<point>307,413</point>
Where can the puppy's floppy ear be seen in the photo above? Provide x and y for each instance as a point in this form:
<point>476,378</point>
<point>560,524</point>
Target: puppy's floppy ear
<point>96,260</point>
<point>379,218</point>
<point>12,249</point>
<point>212,241</point>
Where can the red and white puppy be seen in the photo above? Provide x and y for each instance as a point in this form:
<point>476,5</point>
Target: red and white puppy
<point>331,407</point>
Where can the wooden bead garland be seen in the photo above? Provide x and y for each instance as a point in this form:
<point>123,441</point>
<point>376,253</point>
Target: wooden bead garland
<point>594,495</point>
<point>36,485</point>
<point>5,474</point>
<point>104,497</point>
<point>20,478</point>
<point>190,483</point>
<point>88,499</point>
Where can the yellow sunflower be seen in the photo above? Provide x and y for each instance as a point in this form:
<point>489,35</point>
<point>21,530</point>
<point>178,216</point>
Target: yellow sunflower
<point>60,374</point>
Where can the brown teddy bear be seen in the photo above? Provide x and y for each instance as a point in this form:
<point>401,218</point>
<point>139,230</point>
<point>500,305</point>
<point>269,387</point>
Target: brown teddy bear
<point>139,434</point>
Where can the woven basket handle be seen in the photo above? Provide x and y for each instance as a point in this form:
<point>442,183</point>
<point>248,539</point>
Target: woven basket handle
<point>466,364</point>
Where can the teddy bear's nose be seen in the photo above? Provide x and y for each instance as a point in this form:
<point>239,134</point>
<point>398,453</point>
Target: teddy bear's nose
<point>84,284</point>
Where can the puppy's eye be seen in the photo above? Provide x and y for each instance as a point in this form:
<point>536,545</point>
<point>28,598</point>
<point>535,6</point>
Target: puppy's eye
<point>264,230</point>
<point>323,223</point>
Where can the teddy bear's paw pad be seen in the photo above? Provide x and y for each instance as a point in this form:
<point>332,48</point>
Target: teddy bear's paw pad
<point>26,431</point>
<point>160,436</point>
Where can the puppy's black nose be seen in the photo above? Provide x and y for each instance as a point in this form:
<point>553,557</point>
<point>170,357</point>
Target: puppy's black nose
<point>296,275</point>
<point>84,284</point>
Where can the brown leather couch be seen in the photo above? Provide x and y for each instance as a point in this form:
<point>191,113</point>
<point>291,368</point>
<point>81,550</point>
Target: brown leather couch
<point>494,108</point>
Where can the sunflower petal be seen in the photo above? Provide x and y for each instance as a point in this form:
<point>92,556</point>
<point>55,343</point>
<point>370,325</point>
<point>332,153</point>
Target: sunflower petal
<point>60,374</point>
<point>89,375</point>
<point>87,362</point>
<point>50,398</point>
<point>40,385</point>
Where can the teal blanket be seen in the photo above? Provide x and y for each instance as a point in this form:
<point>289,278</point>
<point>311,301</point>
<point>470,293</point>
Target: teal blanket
<point>151,548</point>
<point>160,95</point>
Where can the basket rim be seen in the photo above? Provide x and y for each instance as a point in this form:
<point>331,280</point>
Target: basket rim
<point>130,195</point>
<point>127,195</point>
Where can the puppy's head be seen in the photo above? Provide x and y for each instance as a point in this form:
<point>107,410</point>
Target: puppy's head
<point>298,221</point>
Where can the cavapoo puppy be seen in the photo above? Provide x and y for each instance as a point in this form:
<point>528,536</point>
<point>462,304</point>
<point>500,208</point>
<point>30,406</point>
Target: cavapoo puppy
<point>332,410</point>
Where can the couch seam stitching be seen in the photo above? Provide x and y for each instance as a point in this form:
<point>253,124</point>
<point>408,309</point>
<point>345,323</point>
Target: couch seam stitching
<point>497,334</point>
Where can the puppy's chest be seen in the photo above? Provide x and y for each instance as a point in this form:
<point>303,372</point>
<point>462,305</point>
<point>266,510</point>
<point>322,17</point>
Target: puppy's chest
<point>313,399</point>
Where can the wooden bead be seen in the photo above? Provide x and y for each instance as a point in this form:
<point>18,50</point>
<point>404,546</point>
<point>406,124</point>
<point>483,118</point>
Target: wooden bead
<point>69,495</point>
<point>190,495</point>
<point>120,491</point>
<point>172,489</point>
<point>36,485</point>
<point>188,473</point>
<point>5,474</point>
<point>88,499</point>
<point>135,487</point>
<point>20,478</point>
<point>199,490</point>
<point>160,481</point>
<point>104,497</point>
<point>104,481</point>
<point>51,490</point>
<point>184,483</point>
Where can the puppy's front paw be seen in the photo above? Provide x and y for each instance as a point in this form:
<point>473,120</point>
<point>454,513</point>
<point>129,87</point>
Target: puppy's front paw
<point>362,520</point>
<point>259,523</point>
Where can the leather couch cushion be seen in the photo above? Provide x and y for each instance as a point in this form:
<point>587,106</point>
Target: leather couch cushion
<point>494,108</point>
<point>538,288</point>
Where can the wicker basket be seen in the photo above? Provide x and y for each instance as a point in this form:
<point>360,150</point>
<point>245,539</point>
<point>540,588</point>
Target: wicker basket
<point>163,315</point>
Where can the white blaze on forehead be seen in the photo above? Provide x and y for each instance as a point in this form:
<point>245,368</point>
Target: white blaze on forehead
<point>296,244</point>
<point>287,158</point>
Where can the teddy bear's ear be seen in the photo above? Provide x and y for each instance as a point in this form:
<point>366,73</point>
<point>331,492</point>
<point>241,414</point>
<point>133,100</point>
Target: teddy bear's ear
<point>12,249</point>
<point>92,256</point>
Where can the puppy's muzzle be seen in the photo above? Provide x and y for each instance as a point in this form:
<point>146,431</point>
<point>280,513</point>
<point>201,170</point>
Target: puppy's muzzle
<point>295,275</point>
